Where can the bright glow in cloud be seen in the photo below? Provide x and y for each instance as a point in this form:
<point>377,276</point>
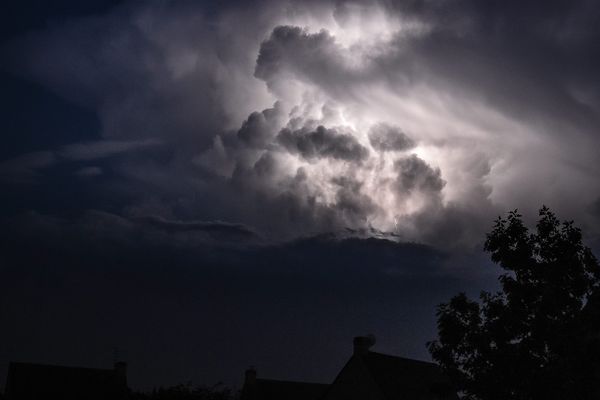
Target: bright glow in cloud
<point>300,117</point>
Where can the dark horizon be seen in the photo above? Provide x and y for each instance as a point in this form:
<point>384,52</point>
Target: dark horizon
<point>283,308</point>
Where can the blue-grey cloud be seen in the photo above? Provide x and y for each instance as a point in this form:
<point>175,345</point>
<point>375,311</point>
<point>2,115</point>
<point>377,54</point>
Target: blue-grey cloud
<point>89,172</point>
<point>27,168</point>
<point>23,168</point>
<point>100,149</point>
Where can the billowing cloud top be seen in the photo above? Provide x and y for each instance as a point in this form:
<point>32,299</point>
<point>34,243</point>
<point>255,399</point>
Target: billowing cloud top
<point>300,117</point>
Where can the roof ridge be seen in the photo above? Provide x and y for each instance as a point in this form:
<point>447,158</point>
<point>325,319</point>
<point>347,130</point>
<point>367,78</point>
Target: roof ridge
<point>402,358</point>
<point>287,381</point>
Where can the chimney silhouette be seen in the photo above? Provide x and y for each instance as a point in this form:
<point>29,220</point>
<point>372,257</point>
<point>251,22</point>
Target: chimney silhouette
<point>362,344</point>
<point>250,376</point>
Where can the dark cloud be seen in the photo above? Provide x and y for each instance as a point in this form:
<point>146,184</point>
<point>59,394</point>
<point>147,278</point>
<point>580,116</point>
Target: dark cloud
<point>89,172</point>
<point>506,52</point>
<point>415,174</point>
<point>322,143</point>
<point>293,50</point>
<point>259,129</point>
<point>266,165</point>
<point>23,169</point>
<point>143,70</point>
<point>100,149</point>
<point>384,137</point>
<point>218,229</point>
<point>351,202</point>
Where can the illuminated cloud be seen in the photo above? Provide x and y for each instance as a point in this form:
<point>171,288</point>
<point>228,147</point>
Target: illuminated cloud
<point>384,137</point>
<point>300,117</point>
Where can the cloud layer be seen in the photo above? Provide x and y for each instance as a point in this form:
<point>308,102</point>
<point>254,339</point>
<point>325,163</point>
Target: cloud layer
<point>303,117</point>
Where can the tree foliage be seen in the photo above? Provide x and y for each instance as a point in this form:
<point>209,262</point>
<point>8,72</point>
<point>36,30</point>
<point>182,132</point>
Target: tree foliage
<point>539,336</point>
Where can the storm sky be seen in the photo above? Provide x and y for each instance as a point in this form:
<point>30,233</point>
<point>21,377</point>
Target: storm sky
<point>213,186</point>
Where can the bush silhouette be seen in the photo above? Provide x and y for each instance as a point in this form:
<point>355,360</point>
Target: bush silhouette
<point>188,392</point>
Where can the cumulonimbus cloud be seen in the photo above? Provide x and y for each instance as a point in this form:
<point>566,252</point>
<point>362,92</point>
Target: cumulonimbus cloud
<point>307,116</point>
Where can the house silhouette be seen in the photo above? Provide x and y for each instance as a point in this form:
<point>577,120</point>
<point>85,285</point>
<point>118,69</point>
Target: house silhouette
<point>366,376</point>
<point>26,381</point>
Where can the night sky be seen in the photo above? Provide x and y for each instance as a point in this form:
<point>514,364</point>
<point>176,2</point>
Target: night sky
<point>206,187</point>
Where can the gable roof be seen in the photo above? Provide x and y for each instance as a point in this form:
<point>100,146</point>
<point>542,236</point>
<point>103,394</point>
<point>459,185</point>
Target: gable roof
<point>269,389</point>
<point>366,376</point>
<point>399,377</point>
<point>28,381</point>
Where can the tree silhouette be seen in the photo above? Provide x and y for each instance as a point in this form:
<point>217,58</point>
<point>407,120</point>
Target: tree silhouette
<point>538,337</point>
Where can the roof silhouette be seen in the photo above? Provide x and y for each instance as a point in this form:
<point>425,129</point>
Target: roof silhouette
<point>398,376</point>
<point>366,375</point>
<point>33,381</point>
